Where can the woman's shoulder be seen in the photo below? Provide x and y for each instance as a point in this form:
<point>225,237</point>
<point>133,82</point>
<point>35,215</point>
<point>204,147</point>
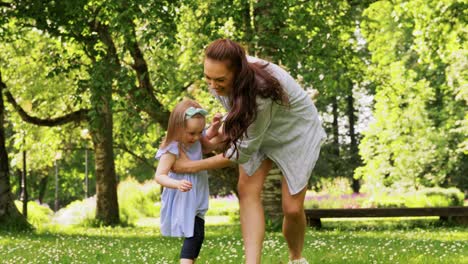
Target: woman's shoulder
<point>275,70</point>
<point>252,59</point>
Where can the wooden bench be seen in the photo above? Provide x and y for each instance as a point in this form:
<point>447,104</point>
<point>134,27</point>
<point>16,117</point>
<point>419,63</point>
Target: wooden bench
<point>457,213</point>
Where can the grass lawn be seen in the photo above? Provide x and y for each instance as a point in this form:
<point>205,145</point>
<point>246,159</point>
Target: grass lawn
<point>344,241</point>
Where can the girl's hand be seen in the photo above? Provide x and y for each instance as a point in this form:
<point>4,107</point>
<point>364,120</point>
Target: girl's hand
<point>216,122</point>
<point>183,164</point>
<point>184,186</point>
<point>214,127</point>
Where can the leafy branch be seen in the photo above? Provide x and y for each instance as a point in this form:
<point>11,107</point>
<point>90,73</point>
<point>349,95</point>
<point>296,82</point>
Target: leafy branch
<point>76,116</point>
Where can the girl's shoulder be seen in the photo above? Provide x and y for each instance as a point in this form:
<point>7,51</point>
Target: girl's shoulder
<point>172,148</point>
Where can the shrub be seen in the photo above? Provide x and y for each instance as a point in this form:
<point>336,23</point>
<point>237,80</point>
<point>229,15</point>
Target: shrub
<point>226,205</point>
<point>152,190</point>
<point>81,212</point>
<point>453,196</point>
<point>37,214</point>
<point>428,197</point>
<point>333,186</point>
<point>385,200</point>
<point>137,200</point>
<point>314,200</point>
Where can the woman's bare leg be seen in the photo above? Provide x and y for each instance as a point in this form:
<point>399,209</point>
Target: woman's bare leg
<point>294,222</point>
<point>251,211</point>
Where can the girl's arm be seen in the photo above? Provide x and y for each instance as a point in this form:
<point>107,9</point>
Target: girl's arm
<point>215,143</point>
<point>161,176</point>
<point>216,123</point>
<point>214,137</point>
<point>185,165</point>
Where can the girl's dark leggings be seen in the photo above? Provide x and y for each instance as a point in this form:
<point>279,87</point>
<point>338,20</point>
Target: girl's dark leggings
<point>192,245</point>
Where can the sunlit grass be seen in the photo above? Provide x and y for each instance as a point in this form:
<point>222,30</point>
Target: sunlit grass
<point>363,240</point>
<point>338,242</point>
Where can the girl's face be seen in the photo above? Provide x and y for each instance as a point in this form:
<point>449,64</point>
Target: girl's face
<point>218,76</point>
<point>193,130</point>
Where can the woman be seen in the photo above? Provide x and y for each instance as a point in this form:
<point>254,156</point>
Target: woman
<point>270,119</point>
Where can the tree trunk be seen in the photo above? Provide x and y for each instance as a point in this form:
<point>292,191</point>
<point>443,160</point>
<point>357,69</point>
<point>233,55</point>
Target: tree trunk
<point>56,181</point>
<point>271,197</point>
<point>105,71</point>
<point>354,152</point>
<point>18,174</point>
<point>336,136</point>
<point>265,49</point>
<point>107,208</point>
<point>42,188</point>
<point>24,187</point>
<point>10,217</point>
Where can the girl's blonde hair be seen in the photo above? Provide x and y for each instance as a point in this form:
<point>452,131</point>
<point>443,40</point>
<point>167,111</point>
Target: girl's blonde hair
<point>176,125</point>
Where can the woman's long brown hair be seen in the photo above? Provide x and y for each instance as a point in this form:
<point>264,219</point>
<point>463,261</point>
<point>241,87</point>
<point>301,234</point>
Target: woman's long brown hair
<point>249,81</point>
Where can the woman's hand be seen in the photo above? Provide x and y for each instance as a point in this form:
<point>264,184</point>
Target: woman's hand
<point>183,164</point>
<point>184,186</point>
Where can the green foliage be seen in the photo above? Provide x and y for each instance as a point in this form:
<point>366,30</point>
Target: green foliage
<point>452,196</point>
<point>314,200</point>
<point>428,197</point>
<point>336,193</point>
<point>38,215</point>
<point>419,132</point>
<point>224,206</point>
<point>137,200</point>
<point>80,212</point>
<point>60,56</point>
<point>42,73</point>
<point>333,186</point>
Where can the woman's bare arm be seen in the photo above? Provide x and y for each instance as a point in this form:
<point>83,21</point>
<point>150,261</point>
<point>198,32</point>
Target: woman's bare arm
<point>185,165</point>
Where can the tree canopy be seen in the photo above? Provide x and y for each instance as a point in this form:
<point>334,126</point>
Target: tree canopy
<point>103,75</point>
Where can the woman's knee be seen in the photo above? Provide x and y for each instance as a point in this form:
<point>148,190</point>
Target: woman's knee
<point>250,187</point>
<point>248,191</point>
<point>293,210</point>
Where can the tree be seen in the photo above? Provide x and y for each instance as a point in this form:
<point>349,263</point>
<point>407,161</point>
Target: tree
<point>9,214</point>
<point>107,32</point>
<point>419,66</point>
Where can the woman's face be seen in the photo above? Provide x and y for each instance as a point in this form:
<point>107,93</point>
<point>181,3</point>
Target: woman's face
<point>218,76</point>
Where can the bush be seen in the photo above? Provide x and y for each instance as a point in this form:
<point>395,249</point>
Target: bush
<point>428,197</point>
<point>81,212</point>
<point>335,193</point>
<point>137,200</point>
<point>453,196</point>
<point>385,200</point>
<point>37,214</point>
<point>152,190</point>
<point>333,186</point>
<point>325,201</point>
<point>226,205</point>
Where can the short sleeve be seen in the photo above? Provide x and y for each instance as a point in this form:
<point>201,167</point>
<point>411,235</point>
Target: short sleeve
<point>172,148</point>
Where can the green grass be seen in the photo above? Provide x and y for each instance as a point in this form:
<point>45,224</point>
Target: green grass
<point>340,241</point>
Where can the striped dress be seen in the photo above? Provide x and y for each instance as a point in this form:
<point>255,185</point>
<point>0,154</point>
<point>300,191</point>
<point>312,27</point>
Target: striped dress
<point>289,136</point>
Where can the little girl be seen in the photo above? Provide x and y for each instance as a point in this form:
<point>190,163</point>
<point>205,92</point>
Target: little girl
<point>185,196</point>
